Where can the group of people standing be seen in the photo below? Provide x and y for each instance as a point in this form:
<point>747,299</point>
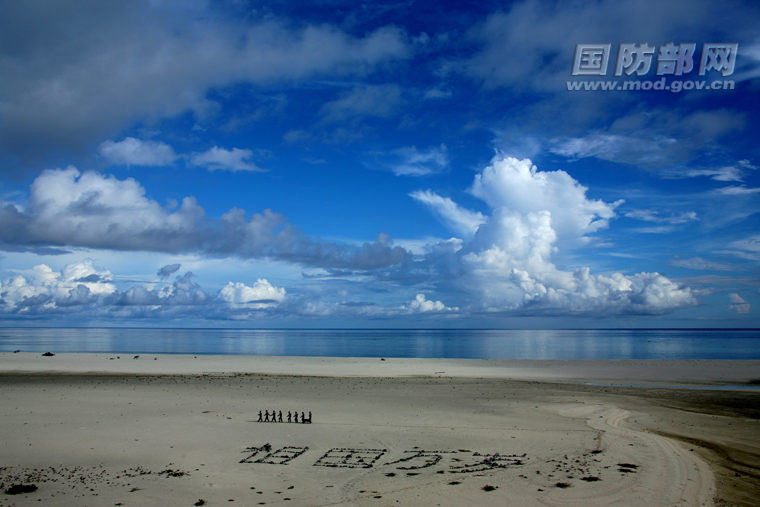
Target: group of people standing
<point>277,417</point>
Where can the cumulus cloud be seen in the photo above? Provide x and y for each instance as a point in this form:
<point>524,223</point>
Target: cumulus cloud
<point>259,295</point>
<point>77,284</point>
<point>502,265</point>
<point>74,73</point>
<point>225,160</point>
<point>739,305</point>
<point>133,151</point>
<point>422,305</point>
<point>506,266</point>
<point>183,292</point>
<point>519,186</point>
<point>83,289</point>
<point>90,210</point>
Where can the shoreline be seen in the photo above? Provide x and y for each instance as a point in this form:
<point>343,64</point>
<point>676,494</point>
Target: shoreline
<point>650,371</point>
<point>89,430</point>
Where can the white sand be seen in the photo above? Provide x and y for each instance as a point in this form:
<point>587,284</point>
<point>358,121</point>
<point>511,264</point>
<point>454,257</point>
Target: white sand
<point>92,437</point>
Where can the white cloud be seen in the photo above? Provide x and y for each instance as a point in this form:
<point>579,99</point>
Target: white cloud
<point>422,305</point>
<point>735,172</point>
<point>421,163</point>
<point>90,210</point>
<point>519,186</point>
<point>219,159</point>
<point>702,264</point>
<point>734,190</point>
<point>503,266</point>
<point>649,215</point>
<point>67,207</point>
<point>82,289</point>
<point>259,295</point>
<point>462,221</point>
<point>617,148</point>
<point>133,151</point>
<point>507,267</point>
<point>661,140</point>
<point>747,248</point>
<point>79,283</point>
<point>739,304</point>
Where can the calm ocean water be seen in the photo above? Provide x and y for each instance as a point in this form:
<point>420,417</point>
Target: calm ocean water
<point>464,344</point>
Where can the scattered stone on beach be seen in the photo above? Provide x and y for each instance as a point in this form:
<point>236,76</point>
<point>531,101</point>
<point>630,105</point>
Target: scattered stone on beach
<point>48,354</point>
<point>200,501</point>
<point>488,487</point>
<point>563,485</point>
<point>20,489</point>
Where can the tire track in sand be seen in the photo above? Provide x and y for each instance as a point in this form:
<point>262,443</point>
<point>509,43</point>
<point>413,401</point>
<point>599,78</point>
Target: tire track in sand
<point>669,475</point>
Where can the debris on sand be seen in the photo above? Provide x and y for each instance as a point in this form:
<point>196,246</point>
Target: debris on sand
<point>48,354</point>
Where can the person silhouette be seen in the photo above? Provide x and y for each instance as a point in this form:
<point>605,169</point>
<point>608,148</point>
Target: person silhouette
<point>303,417</point>
<point>266,416</point>
<point>274,413</point>
<point>296,416</point>
<point>260,420</point>
<point>290,418</point>
<point>309,416</point>
<point>279,417</point>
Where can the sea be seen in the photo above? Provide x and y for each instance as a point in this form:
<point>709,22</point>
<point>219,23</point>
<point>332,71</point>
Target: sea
<point>412,343</point>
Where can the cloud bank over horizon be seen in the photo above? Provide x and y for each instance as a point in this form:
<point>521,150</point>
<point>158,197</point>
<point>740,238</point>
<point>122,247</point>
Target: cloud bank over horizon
<point>502,263</point>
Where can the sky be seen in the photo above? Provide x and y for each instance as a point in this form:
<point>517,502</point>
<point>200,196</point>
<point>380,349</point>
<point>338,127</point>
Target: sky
<point>412,164</point>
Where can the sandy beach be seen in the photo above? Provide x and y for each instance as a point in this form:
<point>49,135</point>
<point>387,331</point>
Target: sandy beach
<point>172,430</point>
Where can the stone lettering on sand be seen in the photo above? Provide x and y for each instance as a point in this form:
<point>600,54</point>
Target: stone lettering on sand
<point>418,459</point>
<point>484,462</point>
<point>279,457</point>
<point>350,458</point>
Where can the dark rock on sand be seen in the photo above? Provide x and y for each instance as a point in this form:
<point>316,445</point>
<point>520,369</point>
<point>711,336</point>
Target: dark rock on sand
<point>18,489</point>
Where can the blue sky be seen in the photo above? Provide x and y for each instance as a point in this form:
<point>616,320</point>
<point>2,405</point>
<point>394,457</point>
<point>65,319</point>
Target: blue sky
<point>411,164</point>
